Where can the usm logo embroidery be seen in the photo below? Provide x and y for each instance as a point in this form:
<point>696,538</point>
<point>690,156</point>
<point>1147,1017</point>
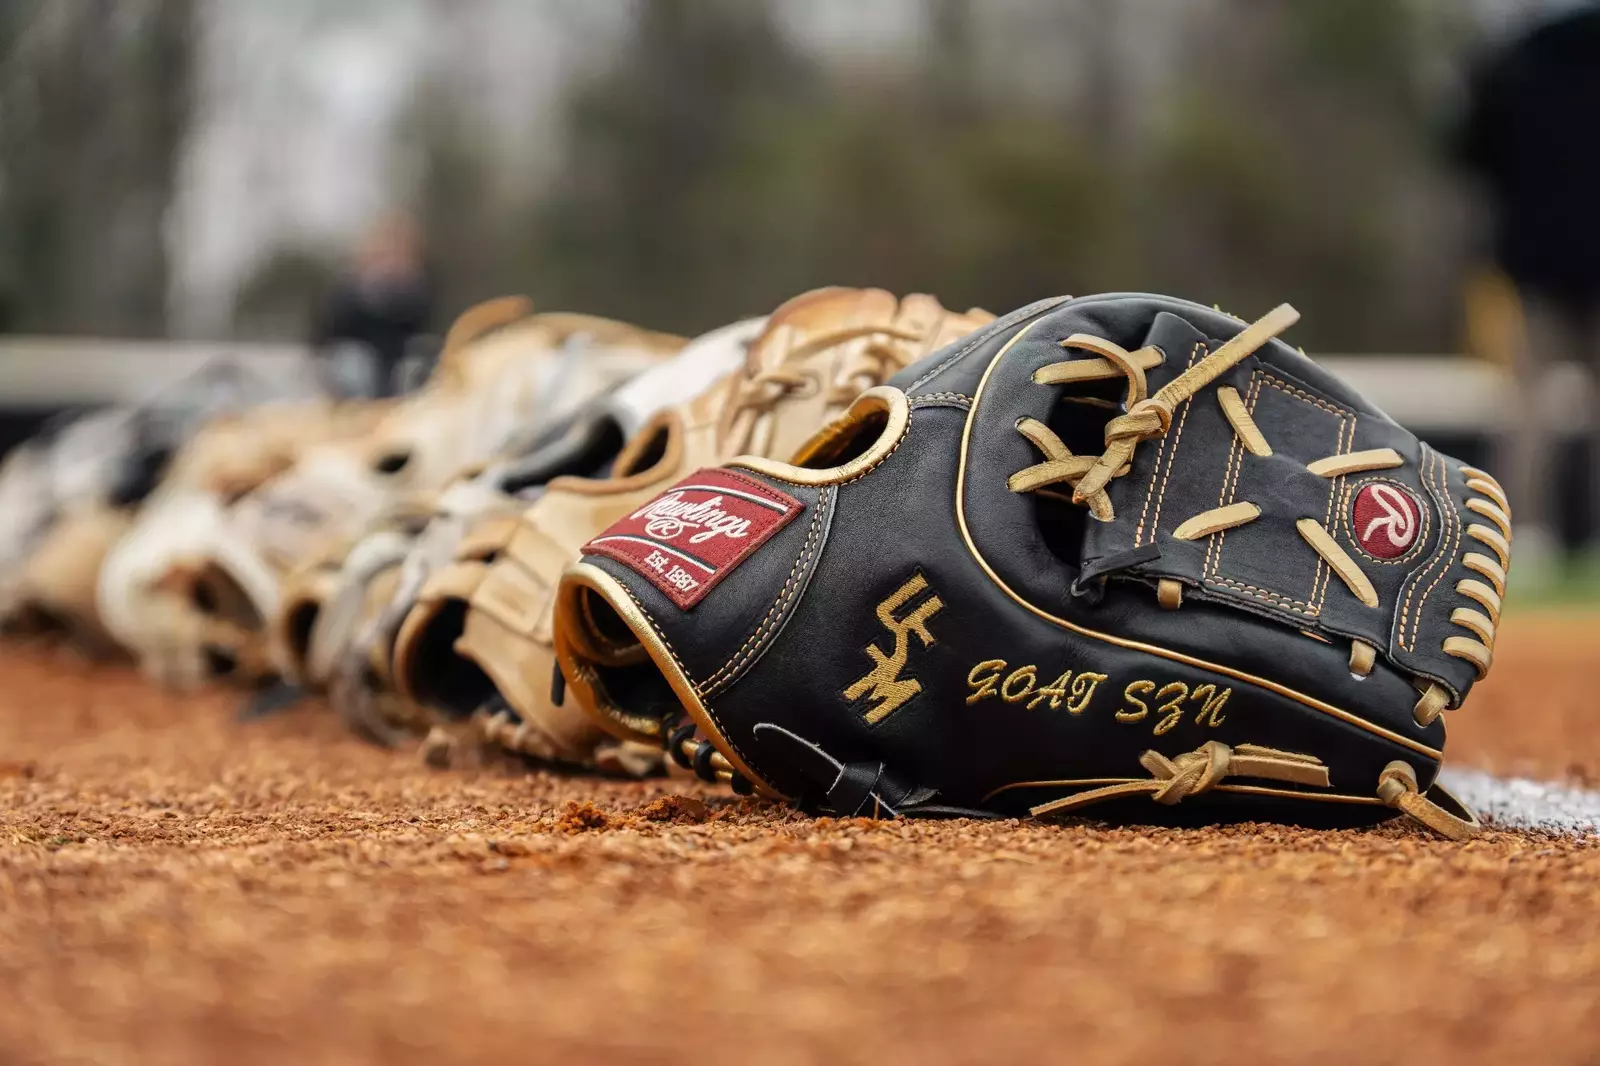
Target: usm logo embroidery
<point>888,690</point>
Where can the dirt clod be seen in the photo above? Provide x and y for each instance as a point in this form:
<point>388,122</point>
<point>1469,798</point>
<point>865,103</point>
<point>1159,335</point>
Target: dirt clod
<point>582,816</point>
<point>684,810</point>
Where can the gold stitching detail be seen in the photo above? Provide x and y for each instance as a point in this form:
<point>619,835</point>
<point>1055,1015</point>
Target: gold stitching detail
<point>1491,537</point>
<point>1480,624</point>
<point>1356,462</point>
<point>1432,467</point>
<point>1362,657</point>
<point>1248,432</point>
<point>1488,568</point>
<point>1475,653</point>
<point>1493,514</point>
<point>1216,520</point>
<point>1324,545</point>
<point>1171,455</point>
<point>824,500</point>
<point>1477,590</point>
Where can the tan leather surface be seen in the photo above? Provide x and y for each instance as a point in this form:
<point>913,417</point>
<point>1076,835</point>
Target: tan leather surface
<point>60,577</point>
<point>790,387</point>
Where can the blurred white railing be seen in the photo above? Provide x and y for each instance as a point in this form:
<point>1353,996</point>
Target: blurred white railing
<point>65,371</point>
<point>1423,392</point>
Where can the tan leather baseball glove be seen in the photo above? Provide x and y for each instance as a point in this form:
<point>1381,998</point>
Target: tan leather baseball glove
<point>479,640</point>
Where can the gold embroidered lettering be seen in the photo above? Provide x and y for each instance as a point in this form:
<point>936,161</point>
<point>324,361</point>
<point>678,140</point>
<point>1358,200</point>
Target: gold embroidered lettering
<point>1055,692</point>
<point>883,681</point>
<point>1140,687</point>
<point>1027,676</point>
<point>1170,699</point>
<point>1083,687</point>
<point>983,687</point>
<point>1211,702</point>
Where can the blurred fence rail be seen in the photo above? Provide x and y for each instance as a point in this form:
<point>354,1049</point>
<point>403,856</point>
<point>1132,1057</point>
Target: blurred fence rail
<point>59,372</point>
<point>1441,394</point>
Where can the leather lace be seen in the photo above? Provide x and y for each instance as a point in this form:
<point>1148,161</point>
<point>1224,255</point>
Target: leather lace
<point>759,390</point>
<point>1145,416</point>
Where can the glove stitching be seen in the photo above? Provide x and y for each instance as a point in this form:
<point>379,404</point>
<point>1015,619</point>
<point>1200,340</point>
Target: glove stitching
<point>790,585</point>
<point>1230,484</point>
<point>1433,467</point>
<point>1172,460</point>
<point>999,326</point>
<point>1319,587</point>
<point>959,399</point>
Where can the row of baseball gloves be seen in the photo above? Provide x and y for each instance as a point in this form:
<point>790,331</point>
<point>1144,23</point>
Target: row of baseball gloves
<point>402,556</point>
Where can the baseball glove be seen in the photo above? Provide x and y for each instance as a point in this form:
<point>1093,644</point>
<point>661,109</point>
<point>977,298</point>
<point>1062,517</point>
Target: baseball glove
<point>1107,550</point>
<point>493,649</point>
<point>474,518</point>
<point>502,369</point>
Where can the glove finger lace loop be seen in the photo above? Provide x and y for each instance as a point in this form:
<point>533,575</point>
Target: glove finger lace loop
<point>1147,417</point>
<point>1397,787</point>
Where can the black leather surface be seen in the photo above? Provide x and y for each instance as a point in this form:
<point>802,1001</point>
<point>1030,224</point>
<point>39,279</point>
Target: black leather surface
<point>784,639</point>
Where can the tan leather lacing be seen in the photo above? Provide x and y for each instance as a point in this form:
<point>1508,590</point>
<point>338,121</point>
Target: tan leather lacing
<point>760,389</point>
<point>1147,417</point>
<point>1195,772</point>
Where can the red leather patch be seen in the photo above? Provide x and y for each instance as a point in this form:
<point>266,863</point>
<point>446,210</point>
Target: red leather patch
<point>692,536</point>
<point>1386,520</point>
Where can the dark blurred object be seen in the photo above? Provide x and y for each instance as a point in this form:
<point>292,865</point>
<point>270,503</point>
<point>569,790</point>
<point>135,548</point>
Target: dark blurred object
<point>384,303</point>
<point>1529,135</point>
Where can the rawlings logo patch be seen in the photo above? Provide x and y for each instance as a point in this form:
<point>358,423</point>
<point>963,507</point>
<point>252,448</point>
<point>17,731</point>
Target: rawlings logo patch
<point>692,536</point>
<point>1385,520</point>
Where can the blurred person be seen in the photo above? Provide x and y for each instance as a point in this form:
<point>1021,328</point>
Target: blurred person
<point>381,305</point>
<point>1529,136</point>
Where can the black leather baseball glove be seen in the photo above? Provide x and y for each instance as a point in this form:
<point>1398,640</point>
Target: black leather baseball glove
<point>1106,550</point>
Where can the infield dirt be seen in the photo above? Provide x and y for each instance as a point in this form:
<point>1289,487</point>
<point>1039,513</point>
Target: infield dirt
<point>178,887</point>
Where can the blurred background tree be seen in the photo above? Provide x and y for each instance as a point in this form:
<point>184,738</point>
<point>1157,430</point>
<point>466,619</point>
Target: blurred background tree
<point>684,162</point>
<point>94,106</point>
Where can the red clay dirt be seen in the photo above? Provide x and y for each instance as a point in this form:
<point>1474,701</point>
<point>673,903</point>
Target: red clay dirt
<point>178,887</point>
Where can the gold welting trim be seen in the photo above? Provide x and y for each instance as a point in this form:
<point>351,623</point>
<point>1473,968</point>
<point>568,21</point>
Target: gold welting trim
<point>883,398</point>
<point>1493,514</point>
<point>1356,462</point>
<point>1475,653</point>
<point>1467,618</point>
<point>1493,539</point>
<point>1477,590</point>
<point>1492,490</point>
<point>1323,544</point>
<point>1435,698</point>
<point>1488,568</point>
<point>1234,410</point>
<point>1097,368</point>
<point>1169,593</point>
<point>586,575</point>
<point>1122,642</point>
<point>1362,657</point>
<point>1216,520</point>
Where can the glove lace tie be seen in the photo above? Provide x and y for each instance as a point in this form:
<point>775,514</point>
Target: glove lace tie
<point>1145,417</point>
<point>758,389</point>
<point>1195,772</point>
